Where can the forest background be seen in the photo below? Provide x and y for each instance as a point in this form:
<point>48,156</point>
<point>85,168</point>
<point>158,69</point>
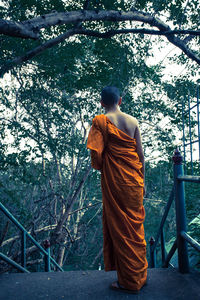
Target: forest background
<point>53,67</point>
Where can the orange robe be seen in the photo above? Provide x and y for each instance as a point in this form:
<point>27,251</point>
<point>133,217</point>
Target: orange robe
<point>114,153</point>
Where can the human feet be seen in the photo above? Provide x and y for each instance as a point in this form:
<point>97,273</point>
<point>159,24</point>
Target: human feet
<point>117,287</point>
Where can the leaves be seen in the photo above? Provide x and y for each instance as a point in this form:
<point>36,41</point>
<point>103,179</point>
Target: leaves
<point>47,106</point>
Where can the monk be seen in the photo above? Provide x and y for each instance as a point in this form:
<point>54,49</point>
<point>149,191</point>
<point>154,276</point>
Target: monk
<point>116,150</point>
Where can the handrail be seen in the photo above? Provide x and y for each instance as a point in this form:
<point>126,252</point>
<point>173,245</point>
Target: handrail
<point>13,263</point>
<point>190,240</point>
<point>182,236</point>
<point>24,234</point>
<point>189,178</point>
<point>167,208</point>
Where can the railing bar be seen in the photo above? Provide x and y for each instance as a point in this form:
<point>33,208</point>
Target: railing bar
<point>23,249</point>
<point>183,261</point>
<point>47,261</point>
<point>163,245</point>
<point>12,218</point>
<point>152,259</point>
<point>183,128</point>
<point>188,178</point>
<point>56,264</point>
<point>192,142</point>
<point>187,110</point>
<point>190,240</point>
<point>198,123</point>
<point>172,266</point>
<point>13,263</point>
<point>193,106</point>
<point>190,132</point>
<point>167,208</point>
<point>170,254</point>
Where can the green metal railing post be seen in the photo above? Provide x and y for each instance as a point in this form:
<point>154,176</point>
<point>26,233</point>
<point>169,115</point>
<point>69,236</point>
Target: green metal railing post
<point>47,257</point>
<point>23,249</point>
<point>183,261</point>
<point>152,262</point>
<point>162,238</point>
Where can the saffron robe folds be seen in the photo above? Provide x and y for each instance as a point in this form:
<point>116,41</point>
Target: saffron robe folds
<point>114,153</point>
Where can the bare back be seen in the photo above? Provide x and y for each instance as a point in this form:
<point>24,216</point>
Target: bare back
<point>124,122</point>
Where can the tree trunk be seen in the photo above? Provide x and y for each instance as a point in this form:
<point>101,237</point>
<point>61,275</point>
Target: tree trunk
<point>60,256</point>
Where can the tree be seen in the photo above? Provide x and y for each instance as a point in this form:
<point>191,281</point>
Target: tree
<point>48,102</point>
<point>30,28</point>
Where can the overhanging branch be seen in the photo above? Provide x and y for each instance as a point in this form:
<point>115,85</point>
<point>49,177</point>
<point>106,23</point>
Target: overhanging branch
<point>30,28</point>
<point>169,34</point>
<point>111,33</point>
<point>17,29</point>
<point>60,18</point>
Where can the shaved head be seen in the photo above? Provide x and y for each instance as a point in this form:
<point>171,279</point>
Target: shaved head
<point>110,95</point>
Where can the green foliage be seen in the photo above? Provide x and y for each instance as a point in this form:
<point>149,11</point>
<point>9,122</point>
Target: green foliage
<point>48,104</point>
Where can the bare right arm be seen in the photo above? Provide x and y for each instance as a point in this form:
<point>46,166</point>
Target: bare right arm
<point>140,151</point>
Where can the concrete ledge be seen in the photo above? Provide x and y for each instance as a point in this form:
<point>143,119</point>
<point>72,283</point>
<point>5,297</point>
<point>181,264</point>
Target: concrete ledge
<point>163,284</point>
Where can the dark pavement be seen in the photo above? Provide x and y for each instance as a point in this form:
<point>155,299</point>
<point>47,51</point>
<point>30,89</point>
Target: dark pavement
<point>163,284</point>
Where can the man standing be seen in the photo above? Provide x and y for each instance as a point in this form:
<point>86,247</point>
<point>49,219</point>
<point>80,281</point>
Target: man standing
<point>116,150</point>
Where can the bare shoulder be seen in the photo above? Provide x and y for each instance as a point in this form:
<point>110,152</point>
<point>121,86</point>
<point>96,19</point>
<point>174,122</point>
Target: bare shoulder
<point>130,124</point>
<point>124,122</point>
<point>130,119</point>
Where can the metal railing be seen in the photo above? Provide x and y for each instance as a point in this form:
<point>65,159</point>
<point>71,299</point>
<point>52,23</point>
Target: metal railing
<point>190,141</point>
<point>48,260</point>
<point>182,238</point>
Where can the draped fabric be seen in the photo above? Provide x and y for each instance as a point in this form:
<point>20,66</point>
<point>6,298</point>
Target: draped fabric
<point>114,153</point>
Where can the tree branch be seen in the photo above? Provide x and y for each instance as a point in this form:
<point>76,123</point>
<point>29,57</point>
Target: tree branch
<point>169,35</point>
<point>58,231</point>
<point>56,18</point>
<point>30,28</point>
<point>182,45</point>
<point>43,229</point>
<point>60,18</point>
<point>17,29</point>
<point>4,232</point>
